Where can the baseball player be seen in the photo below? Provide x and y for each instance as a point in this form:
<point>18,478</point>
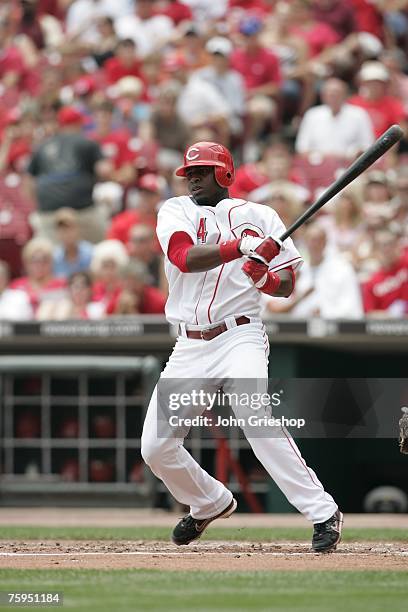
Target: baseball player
<point>214,299</point>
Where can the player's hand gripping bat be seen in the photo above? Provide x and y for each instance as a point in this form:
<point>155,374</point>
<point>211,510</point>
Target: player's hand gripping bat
<point>374,152</point>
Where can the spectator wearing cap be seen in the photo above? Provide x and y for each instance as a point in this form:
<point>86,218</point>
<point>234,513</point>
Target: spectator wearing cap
<point>170,129</point>
<point>151,190</point>
<point>84,87</point>
<point>39,284</point>
<point>228,82</point>
<point>108,197</point>
<point>191,45</point>
<point>150,32</point>
<point>334,128</point>
<point>84,91</point>
<point>71,254</point>
<point>199,103</point>
<point>65,168</point>
<point>14,303</point>
<point>124,63</point>
<point>384,110</point>
<point>260,70</point>
<point>258,66</point>
<point>115,143</point>
<point>131,109</point>
<point>386,292</point>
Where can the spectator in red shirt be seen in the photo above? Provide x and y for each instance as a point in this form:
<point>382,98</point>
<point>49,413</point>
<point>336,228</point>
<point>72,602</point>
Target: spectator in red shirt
<point>338,14</point>
<point>125,62</point>
<point>386,293</point>
<point>258,66</point>
<point>136,296</point>
<point>39,283</point>
<point>15,146</point>
<point>368,16</point>
<point>175,10</point>
<point>317,34</point>
<point>384,110</point>
<point>14,72</point>
<point>115,144</point>
<point>259,7</point>
<point>150,195</point>
<point>260,70</point>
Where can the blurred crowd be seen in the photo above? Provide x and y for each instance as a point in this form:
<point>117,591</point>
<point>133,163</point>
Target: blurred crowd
<point>99,98</point>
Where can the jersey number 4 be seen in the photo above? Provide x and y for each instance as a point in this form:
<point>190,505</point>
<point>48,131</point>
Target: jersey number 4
<point>202,230</point>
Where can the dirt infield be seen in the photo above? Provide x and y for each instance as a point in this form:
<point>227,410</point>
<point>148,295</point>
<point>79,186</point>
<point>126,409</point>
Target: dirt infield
<point>207,555</point>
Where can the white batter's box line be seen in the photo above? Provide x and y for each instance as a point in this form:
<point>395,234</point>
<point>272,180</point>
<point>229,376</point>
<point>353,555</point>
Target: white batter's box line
<point>200,553</point>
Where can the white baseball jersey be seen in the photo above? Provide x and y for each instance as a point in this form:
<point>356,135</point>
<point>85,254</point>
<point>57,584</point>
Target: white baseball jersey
<point>203,298</point>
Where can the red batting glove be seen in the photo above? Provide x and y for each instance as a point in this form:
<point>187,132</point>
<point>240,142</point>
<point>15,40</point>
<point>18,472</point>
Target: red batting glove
<point>264,279</point>
<point>257,272</point>
<point>267,250</point>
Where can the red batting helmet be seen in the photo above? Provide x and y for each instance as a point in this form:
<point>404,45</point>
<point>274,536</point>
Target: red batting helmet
<point>210,154</point>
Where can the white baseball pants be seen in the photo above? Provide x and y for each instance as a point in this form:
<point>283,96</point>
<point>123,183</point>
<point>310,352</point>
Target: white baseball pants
<point>239,353</point>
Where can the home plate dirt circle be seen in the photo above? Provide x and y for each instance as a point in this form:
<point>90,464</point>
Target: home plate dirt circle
<point>205,555</point>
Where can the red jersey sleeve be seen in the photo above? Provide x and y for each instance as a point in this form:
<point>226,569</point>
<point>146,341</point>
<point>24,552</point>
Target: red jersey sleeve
<point>179,245</point>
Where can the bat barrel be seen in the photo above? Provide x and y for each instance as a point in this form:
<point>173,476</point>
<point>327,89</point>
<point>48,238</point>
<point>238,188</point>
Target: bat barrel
<point>377,149</point>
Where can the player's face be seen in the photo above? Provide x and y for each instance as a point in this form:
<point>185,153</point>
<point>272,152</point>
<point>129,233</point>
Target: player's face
<point>203,186</point>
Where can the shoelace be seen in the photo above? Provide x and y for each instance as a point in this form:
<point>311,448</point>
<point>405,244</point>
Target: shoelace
<point>326,526</point>
<point>188,520</point>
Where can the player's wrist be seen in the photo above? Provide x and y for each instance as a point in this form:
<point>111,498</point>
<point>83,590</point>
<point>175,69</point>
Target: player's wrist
<point>230,250</point>
<point>271,284</point>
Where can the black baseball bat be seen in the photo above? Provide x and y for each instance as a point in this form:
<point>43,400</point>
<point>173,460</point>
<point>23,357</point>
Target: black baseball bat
<point>374,152</point>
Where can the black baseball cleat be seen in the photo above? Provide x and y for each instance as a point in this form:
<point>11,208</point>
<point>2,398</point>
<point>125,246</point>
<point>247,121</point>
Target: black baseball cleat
<point>327,535</point>
<point>189,528</point>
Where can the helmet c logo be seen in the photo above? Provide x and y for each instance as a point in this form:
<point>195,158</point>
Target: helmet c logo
<point>193,154</point>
